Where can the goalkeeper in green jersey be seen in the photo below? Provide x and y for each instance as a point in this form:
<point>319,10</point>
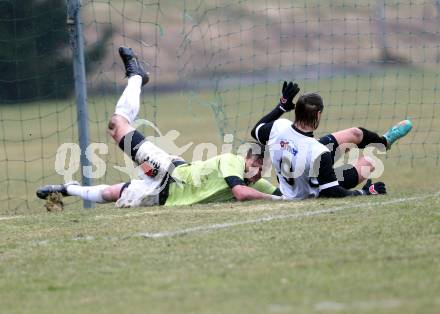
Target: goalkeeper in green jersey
<point>169,180</point>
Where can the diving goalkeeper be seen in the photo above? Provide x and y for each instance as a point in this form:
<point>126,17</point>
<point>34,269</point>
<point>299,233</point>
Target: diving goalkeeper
<point>169,180</point>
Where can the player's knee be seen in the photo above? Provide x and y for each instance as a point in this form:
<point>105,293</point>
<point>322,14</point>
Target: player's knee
<point>357,134</point>
<point>369,162</point>
<point>366,164</point>
<point>113,123</point>
<point>116,122</point>
<point>364,167</point>
<point>108,195</point>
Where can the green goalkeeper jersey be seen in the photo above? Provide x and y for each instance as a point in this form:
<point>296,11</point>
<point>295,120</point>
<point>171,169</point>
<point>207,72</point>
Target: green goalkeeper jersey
<point>204,181</point>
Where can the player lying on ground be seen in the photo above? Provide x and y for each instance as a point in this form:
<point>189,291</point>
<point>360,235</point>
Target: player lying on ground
<point>169,180</point>
<point>303,164</point>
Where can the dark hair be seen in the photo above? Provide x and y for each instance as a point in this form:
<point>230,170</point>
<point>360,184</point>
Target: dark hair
<point>307,108</point>
<point>256,150</point>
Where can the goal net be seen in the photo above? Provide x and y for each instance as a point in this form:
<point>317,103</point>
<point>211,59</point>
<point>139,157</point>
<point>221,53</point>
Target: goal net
<point>216,67</point>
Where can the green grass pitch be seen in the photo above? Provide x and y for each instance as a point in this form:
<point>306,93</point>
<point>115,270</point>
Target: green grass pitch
<point>369,255</point>
<point>360,255</point>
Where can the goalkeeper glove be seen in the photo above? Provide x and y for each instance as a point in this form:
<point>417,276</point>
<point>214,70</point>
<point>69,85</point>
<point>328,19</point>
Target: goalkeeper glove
<point>373,188</point>
<point>289,92</point>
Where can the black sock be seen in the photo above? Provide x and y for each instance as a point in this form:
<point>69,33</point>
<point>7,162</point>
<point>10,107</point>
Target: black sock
<point>134,140</point>
<point>371,138</point>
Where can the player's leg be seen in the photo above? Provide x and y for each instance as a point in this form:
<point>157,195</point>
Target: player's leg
<point>97,193</point>
<point>363,137</point>
<point>360,137</point>
<point>348,175</point>
<point>351,175</point>
<point>151,158</point>
<point>127,107</point>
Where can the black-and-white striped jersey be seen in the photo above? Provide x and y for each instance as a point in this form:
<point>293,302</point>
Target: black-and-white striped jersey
<point>296,157</point>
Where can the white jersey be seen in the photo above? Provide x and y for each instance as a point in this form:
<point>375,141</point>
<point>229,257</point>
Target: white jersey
<point>296,158</point>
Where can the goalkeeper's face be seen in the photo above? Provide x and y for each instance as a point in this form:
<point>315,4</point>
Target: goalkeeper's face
<point>253,168</point>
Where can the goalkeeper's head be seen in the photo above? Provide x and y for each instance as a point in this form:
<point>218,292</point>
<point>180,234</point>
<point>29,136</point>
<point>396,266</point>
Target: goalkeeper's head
<point>254,162</point>
<point>308,111</point>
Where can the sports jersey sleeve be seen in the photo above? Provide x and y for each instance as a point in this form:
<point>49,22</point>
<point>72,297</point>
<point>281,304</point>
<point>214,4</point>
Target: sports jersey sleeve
<point>264,186</point>
<point>234,181</point>
<point>261,130</point>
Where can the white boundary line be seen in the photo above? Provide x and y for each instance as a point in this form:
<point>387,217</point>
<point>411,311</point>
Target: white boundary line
<point>10,217</point>
<point>207,228</point>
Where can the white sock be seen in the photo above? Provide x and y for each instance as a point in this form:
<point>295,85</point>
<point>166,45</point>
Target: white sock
<point>128,103</point>
<point>88,193</point>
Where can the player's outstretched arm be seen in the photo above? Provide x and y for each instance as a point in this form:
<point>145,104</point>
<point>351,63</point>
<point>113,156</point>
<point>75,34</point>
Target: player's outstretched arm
<point>242,192</point>
<point>243,177</point>
<point>245,193</point>
<point>262,128</point>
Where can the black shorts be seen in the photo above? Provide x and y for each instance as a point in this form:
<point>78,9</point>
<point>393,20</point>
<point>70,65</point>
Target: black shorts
<point>347,175</point>
<point>331,143</point>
